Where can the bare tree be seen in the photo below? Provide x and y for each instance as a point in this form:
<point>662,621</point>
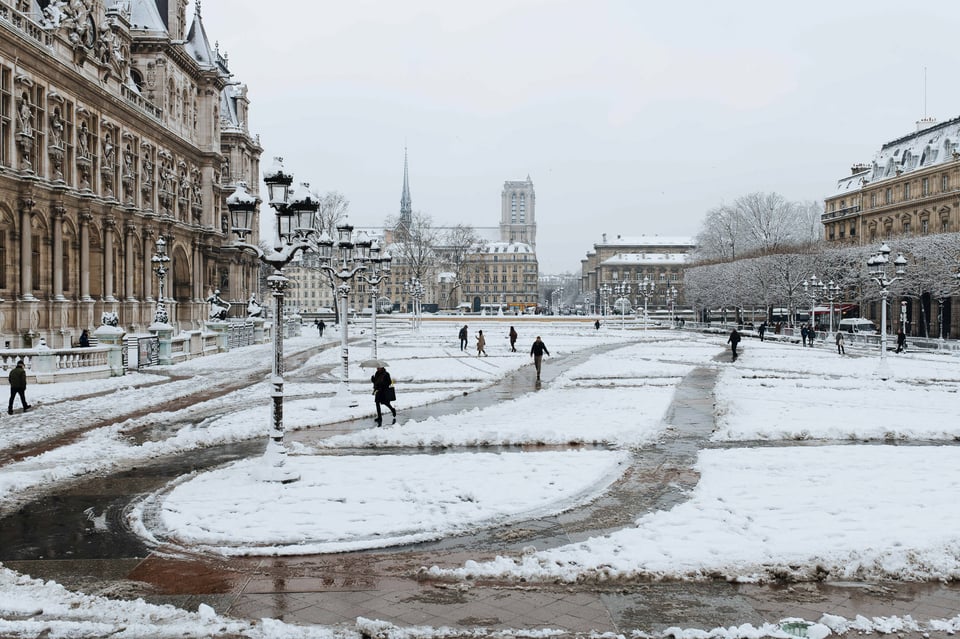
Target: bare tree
<point>415,246</point>
<point>332,211</point>
<point>456,244</point>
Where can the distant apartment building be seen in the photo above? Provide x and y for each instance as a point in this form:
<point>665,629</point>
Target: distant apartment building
<point>630,260</point>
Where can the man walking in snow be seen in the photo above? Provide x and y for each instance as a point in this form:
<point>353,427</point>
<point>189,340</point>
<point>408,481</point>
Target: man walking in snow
<point>537,351</point>
<point>18,386</point>
<point>733,340</point>
<point>463,338</point>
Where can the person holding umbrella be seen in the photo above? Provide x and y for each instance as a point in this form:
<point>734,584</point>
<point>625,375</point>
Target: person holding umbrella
<point>383,392</point>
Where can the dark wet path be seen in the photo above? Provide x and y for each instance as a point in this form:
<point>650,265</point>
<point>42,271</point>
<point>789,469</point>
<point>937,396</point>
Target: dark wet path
<point>78,539</point>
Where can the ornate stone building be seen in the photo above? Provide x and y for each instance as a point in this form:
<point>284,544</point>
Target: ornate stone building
<point>630,259</point>
<point>911,187</point>
<point>118,125</point>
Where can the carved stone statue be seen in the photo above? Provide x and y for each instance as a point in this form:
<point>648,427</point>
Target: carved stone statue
<point>218,307</point>
<point>109,318</point>
<point>254,309</point>
<point>25,116</point>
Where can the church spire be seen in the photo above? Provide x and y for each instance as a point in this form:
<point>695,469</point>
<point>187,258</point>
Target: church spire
<point>406,204</point>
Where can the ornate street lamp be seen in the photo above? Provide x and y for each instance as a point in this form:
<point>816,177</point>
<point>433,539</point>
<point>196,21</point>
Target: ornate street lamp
<point>833,292</point>
<point>877,268</point>
<point>378,269</point>
<point>160,260</point>
<point>343,260</point>
<point>623,301</point>
<point>295,212</point>
<point>605,292</point>
<point>647,288</point>
<point>812,288</point>
<point>414,288</point>
<point>672,300</point>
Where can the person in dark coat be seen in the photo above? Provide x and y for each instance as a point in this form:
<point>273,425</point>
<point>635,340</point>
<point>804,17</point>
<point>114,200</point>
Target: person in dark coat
<point>513,340</point>
<point>18,386</point>
<point>840,349</point>
<point>383,393</point>
<point>84,339</point>
<point>463,338</point>
<point>321,326</point>
<point>901,340</point>
<point>803,334</point>
<point>596,325</point>
<point>811,335</point>
<point>762,330</point>
<point>537,351</point>
<point>733,340</point>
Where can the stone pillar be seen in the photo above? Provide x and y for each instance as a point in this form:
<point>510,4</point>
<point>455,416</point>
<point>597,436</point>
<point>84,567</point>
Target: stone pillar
<point>259,335</point>
<point>129,262</point>
<point>165,334</point>
<point>26,249</point>
<point>108,229</point>
<point>222,329</point>
<point>58,213</point>
<point>149,249</point>
<point>112,336</point>
<point>85,219</point>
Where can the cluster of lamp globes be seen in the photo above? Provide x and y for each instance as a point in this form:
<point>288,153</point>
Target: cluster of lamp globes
<point>296,210</point>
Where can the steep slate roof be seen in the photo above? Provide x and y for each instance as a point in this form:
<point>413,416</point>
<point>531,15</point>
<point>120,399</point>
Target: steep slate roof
<point>197,44</point>
<point>144,16</point>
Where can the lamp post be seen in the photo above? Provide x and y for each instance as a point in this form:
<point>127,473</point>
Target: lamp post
<point>672,300</point>
<point>377,271</point>
<point>605,291</point>
<point>342,264</point>
<point>160,260</point>
<point>623,291</point>
<point>812,287</point>
<point>646,288</point>
<point>414,288</point>
<point>833,292</point>
<point>877,267</point>
<point>295,213</point>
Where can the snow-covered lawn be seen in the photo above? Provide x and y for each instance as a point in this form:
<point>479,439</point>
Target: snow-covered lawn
<point>801,508</point>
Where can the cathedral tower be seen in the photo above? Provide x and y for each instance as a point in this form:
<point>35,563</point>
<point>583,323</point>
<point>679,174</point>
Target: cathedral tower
<point>518,222</point>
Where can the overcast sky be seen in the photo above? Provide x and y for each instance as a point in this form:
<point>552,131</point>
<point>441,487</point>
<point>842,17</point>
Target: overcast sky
<point>631,117</point>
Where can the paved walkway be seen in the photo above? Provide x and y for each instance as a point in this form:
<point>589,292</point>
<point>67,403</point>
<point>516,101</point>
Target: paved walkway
<point>335,590</point>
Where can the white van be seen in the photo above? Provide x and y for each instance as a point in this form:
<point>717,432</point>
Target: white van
<point>856,325</point>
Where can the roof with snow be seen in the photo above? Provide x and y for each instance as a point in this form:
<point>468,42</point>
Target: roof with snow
<point>506,247</point>
<point>932,145</point>
<point>647,259</point>
<point>648,240</point>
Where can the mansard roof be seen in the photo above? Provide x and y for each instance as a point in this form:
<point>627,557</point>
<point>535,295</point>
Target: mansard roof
<point>648,240</point>
<point>930,146</point>
<point>228,108</point>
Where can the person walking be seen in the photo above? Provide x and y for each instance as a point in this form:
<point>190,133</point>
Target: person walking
<point>537,351</point>
<point>18,386</point>
<point>320,327</point>
<point>733,340</point>
<point>803,334</point>
<point>762,330</point>
<point>901,340</point>
<point>596,325</point>
<point>811,334</point>
<point>383,393</point>
<point>481,342</point>
<point>513,340</point>
<point>463,338</point>
<point>840,343</point>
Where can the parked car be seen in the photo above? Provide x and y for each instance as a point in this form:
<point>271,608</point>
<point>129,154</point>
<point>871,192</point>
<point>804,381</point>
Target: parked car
<point>856,325</point>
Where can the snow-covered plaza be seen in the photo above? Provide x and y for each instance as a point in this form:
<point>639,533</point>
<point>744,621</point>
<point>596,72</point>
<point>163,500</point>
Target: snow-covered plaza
<point>805,468</point>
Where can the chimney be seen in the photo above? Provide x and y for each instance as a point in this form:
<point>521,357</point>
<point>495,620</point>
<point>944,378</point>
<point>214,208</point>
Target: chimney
<point>925,123</point>
<point>859,167</point>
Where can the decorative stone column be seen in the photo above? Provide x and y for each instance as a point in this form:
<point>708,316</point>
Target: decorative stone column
<point>85,219</point>
<point>109,223</point>
<point>58,213</point>
<point>112,336</point>
<point>26,248</point>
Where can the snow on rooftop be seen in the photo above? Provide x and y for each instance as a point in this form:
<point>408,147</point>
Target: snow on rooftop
<point>647,258</point>
<point>649,240</point>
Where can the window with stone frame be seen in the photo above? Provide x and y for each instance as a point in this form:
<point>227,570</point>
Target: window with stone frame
<point>945,182</point>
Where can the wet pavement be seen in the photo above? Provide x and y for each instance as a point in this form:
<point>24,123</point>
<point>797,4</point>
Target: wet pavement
<point>78,538</point>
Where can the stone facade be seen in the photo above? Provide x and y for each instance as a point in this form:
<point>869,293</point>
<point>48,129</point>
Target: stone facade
<point>615,261</point>
<point>117,127</point>
<point>912,187</point>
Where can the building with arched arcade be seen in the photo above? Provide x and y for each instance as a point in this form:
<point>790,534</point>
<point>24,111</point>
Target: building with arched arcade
<point>119,125</point>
